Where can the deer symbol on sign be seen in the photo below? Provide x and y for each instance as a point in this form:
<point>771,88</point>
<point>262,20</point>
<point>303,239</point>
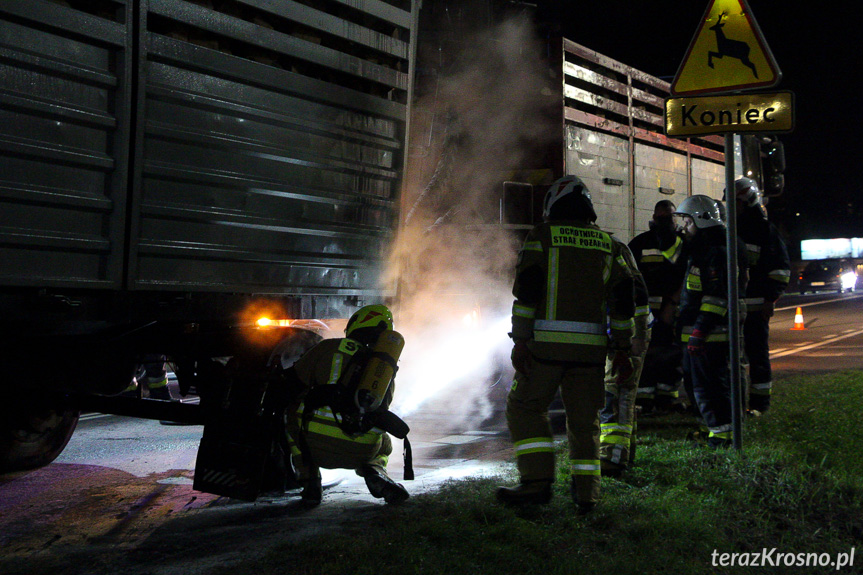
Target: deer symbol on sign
<point>727,47</point>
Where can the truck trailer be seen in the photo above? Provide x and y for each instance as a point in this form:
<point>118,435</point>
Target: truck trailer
<point>173,171</point>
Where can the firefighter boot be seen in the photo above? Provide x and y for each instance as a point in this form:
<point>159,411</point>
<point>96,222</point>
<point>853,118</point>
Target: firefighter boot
<point>313,490</point>
<point>381,485</point>
<point>527,492</point>
<point>581,507</point>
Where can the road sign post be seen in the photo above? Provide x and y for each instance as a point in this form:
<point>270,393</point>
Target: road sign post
<point>733,296</point>
<point>728,55</point>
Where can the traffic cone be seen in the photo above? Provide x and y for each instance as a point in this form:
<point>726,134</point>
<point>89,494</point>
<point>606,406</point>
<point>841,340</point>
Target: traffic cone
<point>798,319</point>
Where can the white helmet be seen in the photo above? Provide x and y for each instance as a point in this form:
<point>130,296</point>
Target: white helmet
<point>747,192</point>
<point>704,210</point>
<point>564,187</point>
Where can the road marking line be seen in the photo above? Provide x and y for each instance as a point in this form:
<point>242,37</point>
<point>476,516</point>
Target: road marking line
<point>817,302</point>
<point>814,345</point>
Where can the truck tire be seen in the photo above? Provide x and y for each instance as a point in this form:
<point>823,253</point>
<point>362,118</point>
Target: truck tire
<point>33,435</point>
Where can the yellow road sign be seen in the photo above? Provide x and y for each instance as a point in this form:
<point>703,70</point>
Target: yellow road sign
<point>727,53</point>
<point>749,112</point>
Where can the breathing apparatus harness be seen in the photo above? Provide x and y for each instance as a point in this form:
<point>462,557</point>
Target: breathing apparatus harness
<point>356,399</point>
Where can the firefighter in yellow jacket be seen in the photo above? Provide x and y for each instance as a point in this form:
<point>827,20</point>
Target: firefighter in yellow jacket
<point>617,420</point>
<point>570,279</point>
<point>335,426</point>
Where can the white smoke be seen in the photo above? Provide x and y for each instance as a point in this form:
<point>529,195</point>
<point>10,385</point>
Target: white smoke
<point>454,264</point>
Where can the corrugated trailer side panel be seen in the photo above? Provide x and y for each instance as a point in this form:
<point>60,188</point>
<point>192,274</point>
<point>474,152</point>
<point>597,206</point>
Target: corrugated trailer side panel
<point>614,140</point>
<point>64,89</point>
<point>250,146</point>
<point>271,146</point>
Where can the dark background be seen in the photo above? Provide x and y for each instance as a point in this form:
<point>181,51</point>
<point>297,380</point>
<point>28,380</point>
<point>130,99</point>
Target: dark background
<point>817,50</point>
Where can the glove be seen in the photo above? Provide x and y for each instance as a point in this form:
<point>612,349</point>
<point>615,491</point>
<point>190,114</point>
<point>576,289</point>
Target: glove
<point>695,346</point>
<point>621,365</point>
<point>520,356</point>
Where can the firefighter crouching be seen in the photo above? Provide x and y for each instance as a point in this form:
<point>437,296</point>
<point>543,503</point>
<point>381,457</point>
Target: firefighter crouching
<point>337,394</point>
<point>703,320</point>
<point>617,420</point>
<point>570,276</point>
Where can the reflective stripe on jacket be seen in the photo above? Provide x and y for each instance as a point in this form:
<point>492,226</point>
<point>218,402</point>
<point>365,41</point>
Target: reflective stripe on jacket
<point>573,288</point>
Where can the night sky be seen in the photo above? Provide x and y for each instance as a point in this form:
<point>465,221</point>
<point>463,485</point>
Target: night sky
<point>817,51</point>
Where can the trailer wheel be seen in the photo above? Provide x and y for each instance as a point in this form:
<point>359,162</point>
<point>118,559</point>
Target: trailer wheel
<point>33,435</point>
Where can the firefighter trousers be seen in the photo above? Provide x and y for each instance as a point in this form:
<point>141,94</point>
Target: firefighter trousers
<point>756,333</point>
<point>582,391</point>
<point>706,378</point>
<point>660,375</point>
<point>617,420</point>
<point>329,448</point>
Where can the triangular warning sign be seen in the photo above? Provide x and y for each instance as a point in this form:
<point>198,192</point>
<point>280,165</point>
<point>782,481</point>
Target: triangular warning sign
<point>727,53</point>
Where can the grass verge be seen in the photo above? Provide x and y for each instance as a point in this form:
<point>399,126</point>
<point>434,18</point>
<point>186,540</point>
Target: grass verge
<point>796,487</point>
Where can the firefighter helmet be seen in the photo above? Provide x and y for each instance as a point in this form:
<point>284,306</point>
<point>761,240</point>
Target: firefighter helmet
<point>704,211</point>
<point>747,192</point>
<point>374,316</point>
<point>579,204</point>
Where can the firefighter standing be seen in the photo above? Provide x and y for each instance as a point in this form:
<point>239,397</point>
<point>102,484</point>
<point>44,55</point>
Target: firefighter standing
<point>326,430</point>
<point>617,420</point>
<point>570,277</point>
<point>703,320</point>
<point>661,258</point>
<point>769,274</point>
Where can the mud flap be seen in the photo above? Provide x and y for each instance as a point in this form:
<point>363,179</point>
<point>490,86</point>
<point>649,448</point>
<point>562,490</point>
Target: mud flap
<point>230,465</point>
<point>236,444</point>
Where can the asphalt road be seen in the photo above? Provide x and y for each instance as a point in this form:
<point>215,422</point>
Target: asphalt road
<point>120,499</point>
<point>832,338</point>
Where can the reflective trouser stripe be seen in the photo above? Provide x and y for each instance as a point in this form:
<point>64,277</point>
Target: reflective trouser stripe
<point>667,390</point>
<point>721,431</point>
<point>646,392</point>
<point>585,467</point>
<point>761,388</point>
<point>157,384</point>
<point>615,433</point>
<point>534,445</point>
<point>622,324</point>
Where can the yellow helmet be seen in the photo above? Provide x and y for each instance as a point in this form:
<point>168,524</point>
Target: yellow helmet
<point>370,316</point>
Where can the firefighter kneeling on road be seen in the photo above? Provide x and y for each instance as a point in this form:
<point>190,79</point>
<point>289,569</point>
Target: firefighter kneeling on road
<point>338,394</point>
<point>570,277</point>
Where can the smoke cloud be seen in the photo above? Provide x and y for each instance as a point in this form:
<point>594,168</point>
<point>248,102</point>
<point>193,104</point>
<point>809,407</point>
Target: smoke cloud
<point>476,123</point>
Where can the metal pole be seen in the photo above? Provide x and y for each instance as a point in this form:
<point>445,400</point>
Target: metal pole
<point>733,293</point>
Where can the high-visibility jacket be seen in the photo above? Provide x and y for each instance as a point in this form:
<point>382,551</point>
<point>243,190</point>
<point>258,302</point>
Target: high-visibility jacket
<point>704,300</point>
<point>661,258</point>
<point>323,365</point>
<point>573,289</point>
<point>769,264</point>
